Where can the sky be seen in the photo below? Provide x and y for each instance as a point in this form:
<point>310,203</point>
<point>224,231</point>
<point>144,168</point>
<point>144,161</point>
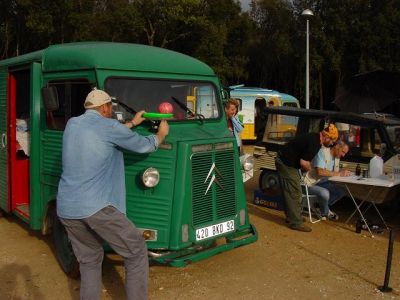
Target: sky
<point>245,4</point>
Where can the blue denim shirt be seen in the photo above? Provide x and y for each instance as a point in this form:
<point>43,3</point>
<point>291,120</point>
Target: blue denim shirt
<point>93,175</point>
<point>237,129</point>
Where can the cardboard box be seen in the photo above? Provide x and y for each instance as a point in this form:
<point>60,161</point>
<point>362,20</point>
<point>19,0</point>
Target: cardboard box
<point>270,201</point>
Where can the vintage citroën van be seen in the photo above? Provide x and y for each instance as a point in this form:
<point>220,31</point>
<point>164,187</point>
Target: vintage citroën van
<point>184,197</point>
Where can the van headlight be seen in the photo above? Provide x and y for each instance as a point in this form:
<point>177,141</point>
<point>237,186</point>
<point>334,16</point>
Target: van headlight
<point>247,162</point>
<point>151,177</point>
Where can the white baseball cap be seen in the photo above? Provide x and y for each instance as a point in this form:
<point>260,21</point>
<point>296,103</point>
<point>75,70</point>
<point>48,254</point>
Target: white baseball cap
<point>96,98</point>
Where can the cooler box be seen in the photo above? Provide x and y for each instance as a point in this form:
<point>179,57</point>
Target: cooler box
<point>270,201</point>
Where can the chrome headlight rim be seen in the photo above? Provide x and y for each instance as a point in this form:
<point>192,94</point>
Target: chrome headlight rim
<point>247,162</point>
<point>151,177</point>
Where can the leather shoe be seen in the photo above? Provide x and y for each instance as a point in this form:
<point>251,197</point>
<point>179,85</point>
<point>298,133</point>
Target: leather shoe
<point>300,227</point>
<point>302,218</point>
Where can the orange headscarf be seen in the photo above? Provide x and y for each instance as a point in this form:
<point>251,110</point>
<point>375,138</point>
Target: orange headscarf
<point>331,132</point>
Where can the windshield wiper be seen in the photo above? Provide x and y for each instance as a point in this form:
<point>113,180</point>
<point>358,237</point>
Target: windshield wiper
<point>125,106</point>
<point>132,111</point>
<point>184,107</point>
<point>188,111</point>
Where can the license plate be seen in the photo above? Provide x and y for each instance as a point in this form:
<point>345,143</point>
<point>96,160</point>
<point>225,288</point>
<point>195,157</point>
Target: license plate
<point>214,230</point>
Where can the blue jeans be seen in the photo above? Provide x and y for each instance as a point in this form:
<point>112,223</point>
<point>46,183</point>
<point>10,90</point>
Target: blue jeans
<point>327,194</point>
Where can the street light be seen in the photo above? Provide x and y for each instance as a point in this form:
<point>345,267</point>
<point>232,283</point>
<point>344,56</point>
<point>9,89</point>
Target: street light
<point>307,13</point>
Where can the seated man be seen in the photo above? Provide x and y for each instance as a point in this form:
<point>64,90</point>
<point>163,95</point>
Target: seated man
<point>324,165</point>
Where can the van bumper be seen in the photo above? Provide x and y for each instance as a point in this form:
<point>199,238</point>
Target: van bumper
<point>193,254</point>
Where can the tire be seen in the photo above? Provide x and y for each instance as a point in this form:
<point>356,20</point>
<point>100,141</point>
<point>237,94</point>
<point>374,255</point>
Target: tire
<point>64,253</point>
<point>268,182</point>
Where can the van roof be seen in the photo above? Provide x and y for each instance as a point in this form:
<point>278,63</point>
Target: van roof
<point>241,90</point>
<point>107,55</point>
<point>250,90</point>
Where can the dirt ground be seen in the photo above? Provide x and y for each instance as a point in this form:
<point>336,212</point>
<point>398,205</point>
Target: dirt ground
<point>331,262</point>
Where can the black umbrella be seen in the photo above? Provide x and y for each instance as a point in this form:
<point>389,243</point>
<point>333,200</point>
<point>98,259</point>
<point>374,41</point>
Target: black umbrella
<point>368,92</point>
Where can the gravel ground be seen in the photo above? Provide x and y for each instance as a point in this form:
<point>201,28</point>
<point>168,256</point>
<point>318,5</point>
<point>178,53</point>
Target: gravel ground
<point>331,262</point>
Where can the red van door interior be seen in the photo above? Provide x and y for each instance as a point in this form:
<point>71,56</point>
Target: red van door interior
<point>18,141</point>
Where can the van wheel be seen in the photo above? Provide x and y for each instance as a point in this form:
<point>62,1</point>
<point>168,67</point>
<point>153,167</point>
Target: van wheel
<point>268,182</point>
<point>65,254</point>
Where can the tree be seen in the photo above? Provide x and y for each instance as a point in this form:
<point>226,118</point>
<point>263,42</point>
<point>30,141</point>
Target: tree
<point>275,61</point>
<point>350,37</point>
<point>162,22</point>
<point>222,39</point>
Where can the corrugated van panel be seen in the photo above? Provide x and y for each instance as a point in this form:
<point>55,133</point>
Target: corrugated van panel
<point>3,150</point>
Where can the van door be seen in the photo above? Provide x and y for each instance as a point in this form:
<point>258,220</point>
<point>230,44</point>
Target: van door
<point>19,140</point>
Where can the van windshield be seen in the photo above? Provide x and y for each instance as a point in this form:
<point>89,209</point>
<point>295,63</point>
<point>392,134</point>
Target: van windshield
<point>394,135</point>
<point>185,100</point>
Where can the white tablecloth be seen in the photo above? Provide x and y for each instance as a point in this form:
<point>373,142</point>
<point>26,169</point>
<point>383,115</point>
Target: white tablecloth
<point>375,190</point>
<point>383,181</point>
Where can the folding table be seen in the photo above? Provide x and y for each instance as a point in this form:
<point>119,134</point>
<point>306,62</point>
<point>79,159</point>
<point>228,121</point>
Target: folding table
<point>371,190</point>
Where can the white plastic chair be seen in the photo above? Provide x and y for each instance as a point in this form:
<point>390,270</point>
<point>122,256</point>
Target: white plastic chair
<point>305,194</point>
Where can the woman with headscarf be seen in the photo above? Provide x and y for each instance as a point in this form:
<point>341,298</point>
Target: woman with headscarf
<point>234,124</point>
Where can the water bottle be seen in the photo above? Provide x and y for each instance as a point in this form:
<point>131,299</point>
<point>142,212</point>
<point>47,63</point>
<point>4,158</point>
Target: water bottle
<point>396,168</point>
<point>376,167</point>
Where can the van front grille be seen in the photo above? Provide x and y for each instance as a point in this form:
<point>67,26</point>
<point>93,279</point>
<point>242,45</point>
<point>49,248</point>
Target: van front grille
<point>213,186</point>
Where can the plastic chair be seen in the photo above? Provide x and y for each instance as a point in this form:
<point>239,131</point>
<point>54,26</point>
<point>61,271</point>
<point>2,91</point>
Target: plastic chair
<point>305,194</point>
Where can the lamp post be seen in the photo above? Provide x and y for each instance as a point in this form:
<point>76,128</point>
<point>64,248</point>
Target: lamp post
<point>307,13</point>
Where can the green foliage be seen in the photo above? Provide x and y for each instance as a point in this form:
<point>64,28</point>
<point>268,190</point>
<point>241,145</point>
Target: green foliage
<point>349,37</point>
<point>264,47</point>
<point>275,45</point>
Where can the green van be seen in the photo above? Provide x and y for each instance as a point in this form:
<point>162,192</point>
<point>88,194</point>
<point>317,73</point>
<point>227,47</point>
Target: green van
<point>187,197</point>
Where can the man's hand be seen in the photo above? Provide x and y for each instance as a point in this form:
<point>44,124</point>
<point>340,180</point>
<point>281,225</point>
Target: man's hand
<point>138,118</point>
<point>305,165</point>
<point>163,130</point>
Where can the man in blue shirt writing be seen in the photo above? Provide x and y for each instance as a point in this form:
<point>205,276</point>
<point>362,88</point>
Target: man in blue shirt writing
<point>324,165</point>
<point>91,193</point>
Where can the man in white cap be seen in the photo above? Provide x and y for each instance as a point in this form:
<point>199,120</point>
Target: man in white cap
<point>91,193</point>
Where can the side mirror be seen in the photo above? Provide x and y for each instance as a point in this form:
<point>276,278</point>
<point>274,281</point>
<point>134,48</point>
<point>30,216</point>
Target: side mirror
<point>50,98</point>
<point>225,93</point>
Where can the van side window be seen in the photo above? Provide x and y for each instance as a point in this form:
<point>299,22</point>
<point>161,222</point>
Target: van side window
<point>290,104</point>
<point>71,96</point>
<point>363,141</point>
<point>393,132</point>
<point>279,129</point>
<point>259,118</point>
